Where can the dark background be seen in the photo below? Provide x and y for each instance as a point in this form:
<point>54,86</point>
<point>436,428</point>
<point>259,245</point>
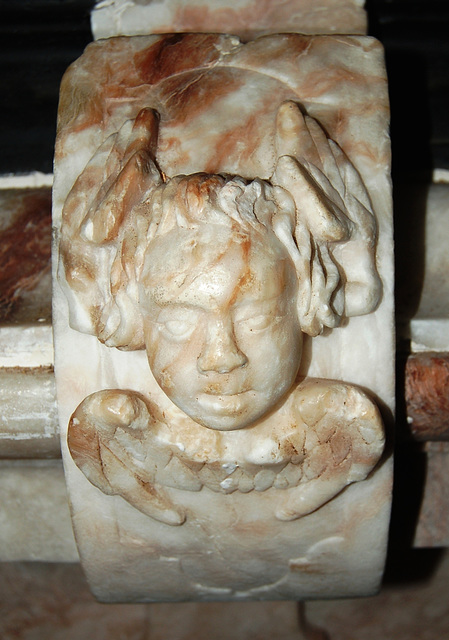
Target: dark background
<point>40,38</point>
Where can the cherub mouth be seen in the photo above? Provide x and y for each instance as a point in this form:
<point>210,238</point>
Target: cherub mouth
<point>224,402</point>
<point>218,392</point>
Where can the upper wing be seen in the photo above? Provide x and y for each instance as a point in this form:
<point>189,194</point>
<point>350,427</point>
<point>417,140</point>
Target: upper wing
<point>334,231</point>
<point>99,236</point>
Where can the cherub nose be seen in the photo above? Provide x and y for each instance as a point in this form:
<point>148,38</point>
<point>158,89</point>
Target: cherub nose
<point>220,352</point>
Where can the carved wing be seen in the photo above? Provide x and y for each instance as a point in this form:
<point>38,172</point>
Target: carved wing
<point>333,235</point>
<point>96,435</point>
<point>344,441</point>
<point>100,234</point>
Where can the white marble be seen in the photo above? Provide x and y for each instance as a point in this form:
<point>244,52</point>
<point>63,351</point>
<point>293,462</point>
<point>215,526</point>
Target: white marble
<point>219,251</point>
<point>429,327</point>
<point>26,345</point>
<point>26,181</point>
<point>28,421</point>
<point>245,18</point>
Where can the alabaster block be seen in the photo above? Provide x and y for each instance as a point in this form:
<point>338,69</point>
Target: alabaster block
<point>223,315</point>
<point>245,18</point>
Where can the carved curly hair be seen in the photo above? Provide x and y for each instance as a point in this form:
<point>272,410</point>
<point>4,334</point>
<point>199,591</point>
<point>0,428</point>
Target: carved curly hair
<point>315,203</point>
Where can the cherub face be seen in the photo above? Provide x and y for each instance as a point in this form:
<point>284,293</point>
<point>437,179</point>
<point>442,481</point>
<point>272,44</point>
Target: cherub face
<point>221,330</point>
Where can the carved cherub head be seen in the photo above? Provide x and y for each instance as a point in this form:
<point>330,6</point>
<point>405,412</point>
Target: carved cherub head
<point>218,277</point>
<point>218,292</point>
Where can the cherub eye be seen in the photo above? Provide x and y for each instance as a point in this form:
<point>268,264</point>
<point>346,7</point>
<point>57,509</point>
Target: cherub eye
<point>257,323</point>
<point>178,327</point>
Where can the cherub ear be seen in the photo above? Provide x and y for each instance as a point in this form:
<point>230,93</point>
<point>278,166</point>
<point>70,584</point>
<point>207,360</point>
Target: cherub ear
<point>333,243</point>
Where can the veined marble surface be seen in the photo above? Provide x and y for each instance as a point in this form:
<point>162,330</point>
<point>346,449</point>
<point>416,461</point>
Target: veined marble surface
<point>217,103</point>
<point>245,18</point>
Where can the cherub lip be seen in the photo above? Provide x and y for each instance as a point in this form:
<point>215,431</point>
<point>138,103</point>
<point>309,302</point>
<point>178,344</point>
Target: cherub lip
<point>223,402</point>
<point>224,393</point>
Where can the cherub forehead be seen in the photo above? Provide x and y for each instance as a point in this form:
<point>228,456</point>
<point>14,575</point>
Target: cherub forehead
<point>216,268</point>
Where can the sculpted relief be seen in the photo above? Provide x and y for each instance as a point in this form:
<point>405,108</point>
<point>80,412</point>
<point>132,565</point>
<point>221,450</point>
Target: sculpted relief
<point>216,274</point>
<point>217,278</point>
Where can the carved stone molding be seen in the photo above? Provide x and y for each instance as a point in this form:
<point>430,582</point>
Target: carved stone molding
<point>247,19</point>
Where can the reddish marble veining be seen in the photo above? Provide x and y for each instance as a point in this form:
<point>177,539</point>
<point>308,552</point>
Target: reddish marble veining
<point>174,54</point>
<point>427,395</point>
<point>228,147</point>
<point>25,241</point>
<point>169,74</point>
<point>154,60</point>
<point>186,97</point>
<point>270,17</point>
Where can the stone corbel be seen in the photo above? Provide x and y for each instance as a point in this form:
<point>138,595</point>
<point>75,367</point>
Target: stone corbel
<point>223,315</point>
